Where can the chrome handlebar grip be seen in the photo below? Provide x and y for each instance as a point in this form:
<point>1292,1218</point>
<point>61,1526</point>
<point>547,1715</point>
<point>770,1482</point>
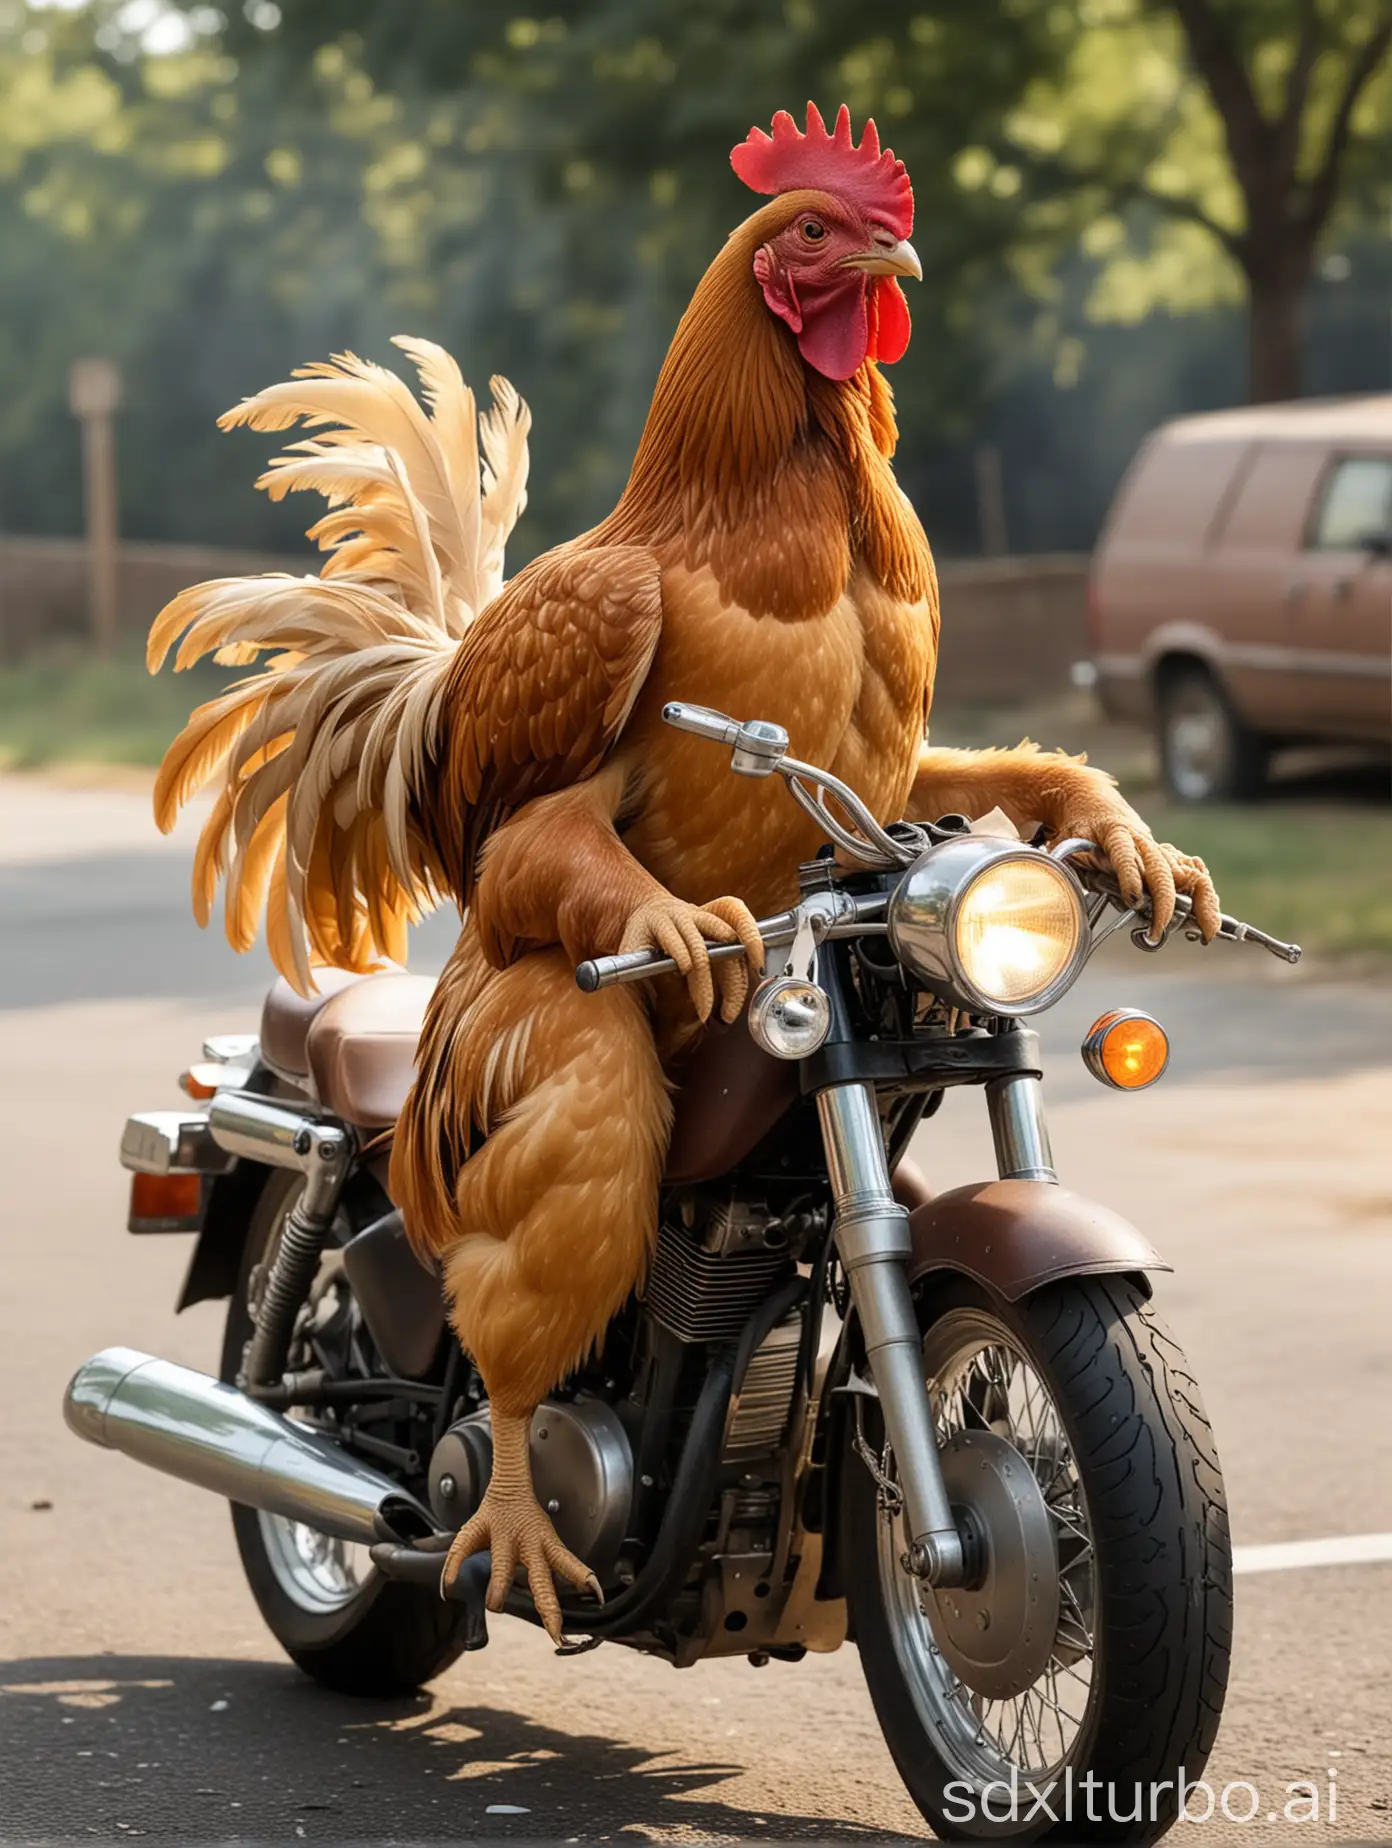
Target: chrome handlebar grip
<point>701,721</point>
<point>638,965</point>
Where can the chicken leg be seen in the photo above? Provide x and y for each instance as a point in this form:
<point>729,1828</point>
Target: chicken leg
<point>528,1161</point>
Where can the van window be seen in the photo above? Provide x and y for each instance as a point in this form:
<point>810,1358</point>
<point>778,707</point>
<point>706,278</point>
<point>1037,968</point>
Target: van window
<point>1356,504</point>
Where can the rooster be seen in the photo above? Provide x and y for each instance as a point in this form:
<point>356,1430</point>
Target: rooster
<point>423,731</point>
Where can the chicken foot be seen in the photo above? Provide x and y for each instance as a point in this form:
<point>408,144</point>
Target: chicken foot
<point>512,1522</point>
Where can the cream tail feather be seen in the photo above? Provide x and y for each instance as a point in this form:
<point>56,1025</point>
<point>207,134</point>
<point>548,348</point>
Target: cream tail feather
<point>321,761</point>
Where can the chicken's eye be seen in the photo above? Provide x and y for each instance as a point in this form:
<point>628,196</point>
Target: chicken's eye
<point>813,230</point>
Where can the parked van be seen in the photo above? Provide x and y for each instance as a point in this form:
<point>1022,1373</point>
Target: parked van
<point>1241,592</point>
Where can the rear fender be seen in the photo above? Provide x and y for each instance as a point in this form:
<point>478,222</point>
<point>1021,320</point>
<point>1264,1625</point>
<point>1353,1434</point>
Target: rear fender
<point>1013,1237</point>
<point>217,1253</point>
<point>228,1206</point>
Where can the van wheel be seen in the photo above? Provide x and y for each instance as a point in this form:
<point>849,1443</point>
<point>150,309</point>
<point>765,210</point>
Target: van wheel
<point>1207,753</point>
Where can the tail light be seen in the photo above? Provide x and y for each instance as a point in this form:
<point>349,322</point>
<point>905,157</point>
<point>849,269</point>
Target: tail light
<point>165,1202</point>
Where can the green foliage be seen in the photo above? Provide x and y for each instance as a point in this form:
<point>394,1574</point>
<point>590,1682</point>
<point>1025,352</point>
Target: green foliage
<point>1314,874</point>
<point>69,706</point>
<point>1131,116</point>
<point>540,194</point>
<point>212,200</point>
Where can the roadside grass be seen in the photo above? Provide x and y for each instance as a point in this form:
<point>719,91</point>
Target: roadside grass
<point>1314,873</point>
<point>68,705</point>
<point>1311,864</point>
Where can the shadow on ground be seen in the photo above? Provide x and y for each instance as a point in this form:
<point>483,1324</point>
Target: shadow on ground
<point>193,1751</point>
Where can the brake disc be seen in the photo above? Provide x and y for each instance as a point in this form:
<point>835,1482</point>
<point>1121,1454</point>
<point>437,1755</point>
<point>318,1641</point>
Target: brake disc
<point>998,1633</point>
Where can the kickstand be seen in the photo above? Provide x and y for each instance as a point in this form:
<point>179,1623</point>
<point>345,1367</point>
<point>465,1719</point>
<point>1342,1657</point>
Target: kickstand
<point>469,1589</point>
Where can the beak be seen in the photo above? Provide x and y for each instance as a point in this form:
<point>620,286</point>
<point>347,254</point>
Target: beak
<point>899,259</point>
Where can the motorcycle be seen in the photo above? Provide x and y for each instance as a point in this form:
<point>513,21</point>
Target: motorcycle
<point>949,1428</point>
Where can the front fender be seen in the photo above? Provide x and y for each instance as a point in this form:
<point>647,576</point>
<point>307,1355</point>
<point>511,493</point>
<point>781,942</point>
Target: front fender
<point>1015,1236</point>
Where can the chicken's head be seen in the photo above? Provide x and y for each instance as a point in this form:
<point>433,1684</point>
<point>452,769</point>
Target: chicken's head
<point>831,264</point>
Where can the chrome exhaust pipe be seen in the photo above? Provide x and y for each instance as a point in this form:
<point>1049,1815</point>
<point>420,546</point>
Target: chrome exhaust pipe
<point>207,1433</point>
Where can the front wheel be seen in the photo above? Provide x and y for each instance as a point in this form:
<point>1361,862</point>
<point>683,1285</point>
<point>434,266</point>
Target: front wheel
<point>1082,1670</point>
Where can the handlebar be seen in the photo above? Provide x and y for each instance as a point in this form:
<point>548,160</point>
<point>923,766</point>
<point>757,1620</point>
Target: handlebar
<point>858,919</point>
<point>1230,929</point>
<point>862,915</point>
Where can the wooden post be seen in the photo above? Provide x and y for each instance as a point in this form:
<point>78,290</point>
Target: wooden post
<point>990,501</point>
<point>94,392</point>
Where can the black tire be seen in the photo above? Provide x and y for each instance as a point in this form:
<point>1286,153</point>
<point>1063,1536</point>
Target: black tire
<point>1160,1583</point>
<point>1207,752</point>
<point>389,1638</point>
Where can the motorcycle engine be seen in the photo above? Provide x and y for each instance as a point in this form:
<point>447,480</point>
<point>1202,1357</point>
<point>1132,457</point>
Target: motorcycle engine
<point>582,1471</point>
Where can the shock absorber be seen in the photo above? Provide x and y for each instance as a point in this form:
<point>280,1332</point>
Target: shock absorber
<point>325,1151</point>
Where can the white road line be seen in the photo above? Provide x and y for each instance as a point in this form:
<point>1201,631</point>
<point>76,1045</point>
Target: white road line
<point>1291,1555</point>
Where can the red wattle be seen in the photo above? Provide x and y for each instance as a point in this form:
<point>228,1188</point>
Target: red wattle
<point>889,322</point>
<point>833,335</point>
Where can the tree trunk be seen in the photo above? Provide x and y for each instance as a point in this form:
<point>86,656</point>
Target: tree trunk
<point>1276,338</point>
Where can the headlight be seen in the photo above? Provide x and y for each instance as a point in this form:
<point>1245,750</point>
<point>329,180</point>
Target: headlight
<point>993,928</point>
<point>789,1017</point>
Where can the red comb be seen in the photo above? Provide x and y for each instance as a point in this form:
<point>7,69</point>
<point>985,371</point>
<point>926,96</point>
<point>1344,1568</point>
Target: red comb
<point>788,160</point>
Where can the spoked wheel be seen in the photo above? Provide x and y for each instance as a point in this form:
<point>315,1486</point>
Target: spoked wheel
<point>322,1598</point>
<point>1092,1636</point>
<point>318,1571</point>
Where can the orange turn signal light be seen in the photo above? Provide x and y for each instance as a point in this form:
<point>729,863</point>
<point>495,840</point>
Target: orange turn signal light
<point>201,1081</point>
<point>1126,1049</point>
<point>161,1200</point>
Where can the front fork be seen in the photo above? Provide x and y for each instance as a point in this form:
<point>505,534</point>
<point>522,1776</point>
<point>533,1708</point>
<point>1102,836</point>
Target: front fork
<point>872,1241</point>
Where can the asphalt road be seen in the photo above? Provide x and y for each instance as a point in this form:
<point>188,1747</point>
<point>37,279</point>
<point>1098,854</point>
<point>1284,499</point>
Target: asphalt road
<point>139,1695</point>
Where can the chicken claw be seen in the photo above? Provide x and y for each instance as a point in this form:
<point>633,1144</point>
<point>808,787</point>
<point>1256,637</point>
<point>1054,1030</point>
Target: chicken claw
<point>511,1522</point>
<point>680,931</point>
<point>1141,863</point>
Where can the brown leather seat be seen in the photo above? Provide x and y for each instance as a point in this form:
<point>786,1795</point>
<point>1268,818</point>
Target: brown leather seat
<point>287,1017</point>
<point>356,1043</point>
<point>361,1047</point>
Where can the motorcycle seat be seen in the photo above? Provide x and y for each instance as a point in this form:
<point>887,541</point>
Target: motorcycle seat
<point>286,1018</point>
<point>360,1046</point>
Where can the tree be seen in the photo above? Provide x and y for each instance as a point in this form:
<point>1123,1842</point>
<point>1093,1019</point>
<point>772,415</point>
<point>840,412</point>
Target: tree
<point>1202,148</point>
<point>1290,161</point>
<point>254,186</point>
